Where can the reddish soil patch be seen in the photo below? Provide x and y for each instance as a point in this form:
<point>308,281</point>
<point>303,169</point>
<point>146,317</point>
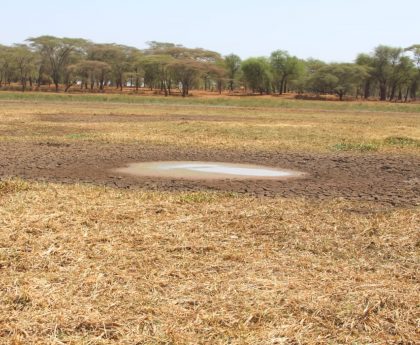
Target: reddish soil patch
<point>387,179</point>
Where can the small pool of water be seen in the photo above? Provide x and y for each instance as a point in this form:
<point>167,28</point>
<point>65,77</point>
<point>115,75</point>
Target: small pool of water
<point>206,170</point>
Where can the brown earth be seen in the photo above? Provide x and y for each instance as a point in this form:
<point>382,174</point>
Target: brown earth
<point>387,179</point>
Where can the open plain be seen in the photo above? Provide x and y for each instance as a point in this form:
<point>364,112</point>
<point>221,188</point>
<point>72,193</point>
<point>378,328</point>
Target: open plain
<point>91,256</point>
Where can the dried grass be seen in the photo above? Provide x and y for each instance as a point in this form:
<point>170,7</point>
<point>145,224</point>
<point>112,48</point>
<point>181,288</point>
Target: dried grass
<point>89,265</point>
<point>250,129</point>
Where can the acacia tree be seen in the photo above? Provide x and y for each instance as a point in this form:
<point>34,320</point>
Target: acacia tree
<point>385,60</point>
<point>156,65</point>
<point>284,67</point>
<point>367,82</point>
<point>189,64</point>
<point>337,78</point>
<point>70,75</point>
<point>151,74</point>
<point>415,50</point>
<point>118,57</point>
<point>232,64</point>
<point>309,68</point>
<point>157,70</point>
<point>256,72</point>
<point>401,78</point>
<point>102,53</point>
<point>56,53</point>
<point>349,76</point>
<point>218,73</point>
<point>26,63</point>
<point>120,65</point>
<point>136,68</point>
<point>186,72</point>
<point>88,73</point>
<point>5,64</point>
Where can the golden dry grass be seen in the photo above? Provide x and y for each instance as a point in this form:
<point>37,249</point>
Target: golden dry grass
<point>89,265</point>
<point>233,128</point>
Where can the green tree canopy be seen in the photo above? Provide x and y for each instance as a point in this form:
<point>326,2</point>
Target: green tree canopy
<point>257,75</point>
<point>284,68</point>
<point>57,53</point>
<point>337,78</point>
<point>233,66</point>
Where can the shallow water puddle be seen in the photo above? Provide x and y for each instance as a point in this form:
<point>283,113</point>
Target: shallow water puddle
<point>206,170</point>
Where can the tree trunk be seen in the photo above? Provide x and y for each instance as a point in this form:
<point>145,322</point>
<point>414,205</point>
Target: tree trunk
<point>413,91</point>
<point>184,89</point>
<point>56,80</point>
<point>281,86</point>
<point>68,86</point>
<point>392,94</point>
<point>102,81</point>
<point>39,77</point>
<point>367,90</point>
<point>382,92</point>
<point>406,94</point>
<point>165,88</point>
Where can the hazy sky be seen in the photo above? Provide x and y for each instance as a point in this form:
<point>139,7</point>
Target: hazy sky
<point>331,30</point>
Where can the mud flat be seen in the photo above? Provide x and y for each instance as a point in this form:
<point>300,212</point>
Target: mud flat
<point>390,179</point>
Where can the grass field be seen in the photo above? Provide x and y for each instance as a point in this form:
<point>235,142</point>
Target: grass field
<point>294,126</point>
<point>85,264</point>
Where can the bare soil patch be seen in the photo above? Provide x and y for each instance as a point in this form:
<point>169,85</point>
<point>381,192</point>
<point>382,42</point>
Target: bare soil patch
<point>388,179</point>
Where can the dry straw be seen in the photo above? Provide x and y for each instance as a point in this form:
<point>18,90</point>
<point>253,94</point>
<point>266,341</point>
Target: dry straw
<point>89,265</point>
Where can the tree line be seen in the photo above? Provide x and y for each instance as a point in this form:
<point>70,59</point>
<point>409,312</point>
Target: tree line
<point>386,73</point>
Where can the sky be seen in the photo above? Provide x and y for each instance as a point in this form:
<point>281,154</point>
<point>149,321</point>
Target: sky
<point>330,30</point>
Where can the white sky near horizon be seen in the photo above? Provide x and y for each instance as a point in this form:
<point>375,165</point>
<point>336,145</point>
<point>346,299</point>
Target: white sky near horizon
<point>331,30</point>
